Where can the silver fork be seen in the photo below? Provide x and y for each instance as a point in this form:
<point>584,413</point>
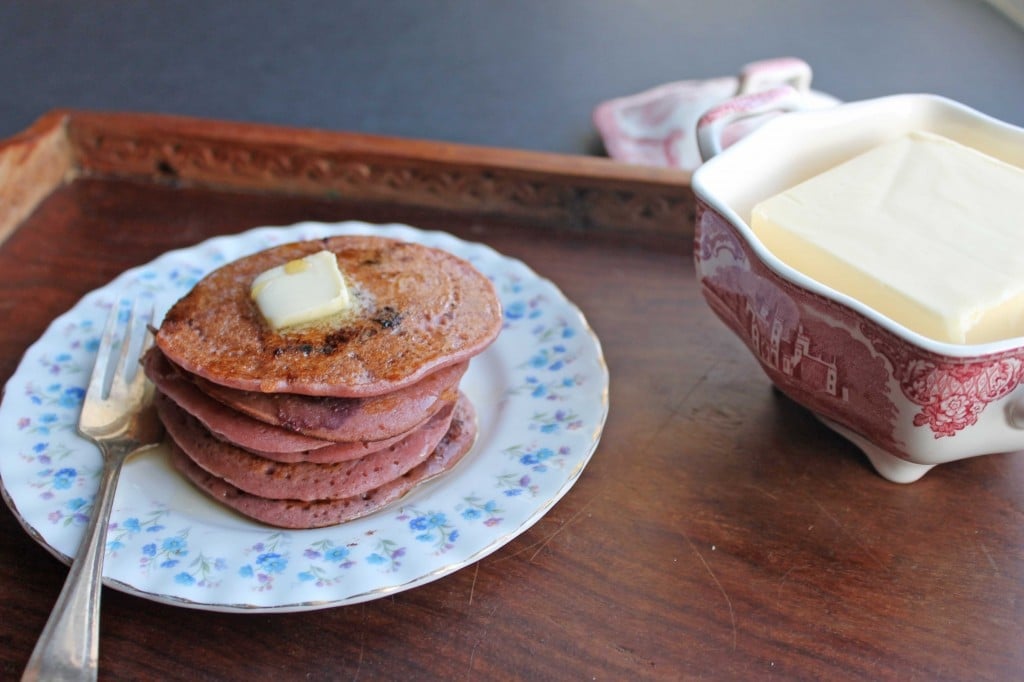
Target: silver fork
<point>118,416</point>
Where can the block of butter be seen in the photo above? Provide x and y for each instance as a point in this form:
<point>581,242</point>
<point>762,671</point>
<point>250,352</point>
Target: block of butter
<point>301,291</point>
<point>923,229</point>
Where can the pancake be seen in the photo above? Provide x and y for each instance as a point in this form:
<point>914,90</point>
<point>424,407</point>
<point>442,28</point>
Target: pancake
<point>257,437</point>
<point>344,419</point>
<point>272,442</point>
<point>298,514</point>
<point>417,309</point>
<point>331,454</point>
<point>221,420</point>
<point>378,419</point>
<point>302,481</point>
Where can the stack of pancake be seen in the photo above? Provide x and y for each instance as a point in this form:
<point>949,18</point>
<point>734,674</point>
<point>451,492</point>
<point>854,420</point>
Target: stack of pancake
<point>322,423</point>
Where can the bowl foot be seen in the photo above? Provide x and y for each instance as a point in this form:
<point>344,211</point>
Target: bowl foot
<point>891,467</point>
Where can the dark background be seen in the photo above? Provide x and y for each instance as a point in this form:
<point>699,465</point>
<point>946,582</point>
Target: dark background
<point>523,73</point>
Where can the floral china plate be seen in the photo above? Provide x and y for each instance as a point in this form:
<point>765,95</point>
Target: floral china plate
<point>541,393</point>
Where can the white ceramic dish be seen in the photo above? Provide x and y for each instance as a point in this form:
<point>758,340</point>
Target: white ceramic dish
<point>541,392</point>
<point>908,401</point>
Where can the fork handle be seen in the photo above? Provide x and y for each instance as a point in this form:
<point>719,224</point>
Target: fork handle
<point>68,648</point>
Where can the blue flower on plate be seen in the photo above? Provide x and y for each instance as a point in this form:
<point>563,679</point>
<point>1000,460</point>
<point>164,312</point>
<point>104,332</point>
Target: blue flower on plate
<point>478,509</point>
<point>537,459</point>
<point>71,397</point>
<point>433,527</point>
<point>336,554</point>
<point>173,545</point>
<point>433,520</point>
<point>63,478</point>
<point>272,562</point>
<point>515,310</point>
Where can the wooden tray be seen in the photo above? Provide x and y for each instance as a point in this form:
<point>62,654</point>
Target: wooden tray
<point>719,530</point>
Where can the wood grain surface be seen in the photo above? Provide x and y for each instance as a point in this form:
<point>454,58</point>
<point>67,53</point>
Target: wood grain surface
<point>719,531</point>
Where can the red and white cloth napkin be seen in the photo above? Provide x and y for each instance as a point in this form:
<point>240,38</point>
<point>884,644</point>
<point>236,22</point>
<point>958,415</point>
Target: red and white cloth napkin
<point>657,127</point>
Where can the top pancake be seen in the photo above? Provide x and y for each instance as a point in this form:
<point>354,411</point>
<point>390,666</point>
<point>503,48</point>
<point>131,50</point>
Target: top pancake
<point>417,309</point>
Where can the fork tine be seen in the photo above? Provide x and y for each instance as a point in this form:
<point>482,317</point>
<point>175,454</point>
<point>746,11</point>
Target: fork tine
<point>121,387</point>
<point>98,380</point>
<point>140,383</point>
<point>117,382</point>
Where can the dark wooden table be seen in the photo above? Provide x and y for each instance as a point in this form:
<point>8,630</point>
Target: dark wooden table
<point>719,531</point>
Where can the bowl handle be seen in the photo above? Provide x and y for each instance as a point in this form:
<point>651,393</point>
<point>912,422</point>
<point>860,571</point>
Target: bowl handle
<point>713,123</point>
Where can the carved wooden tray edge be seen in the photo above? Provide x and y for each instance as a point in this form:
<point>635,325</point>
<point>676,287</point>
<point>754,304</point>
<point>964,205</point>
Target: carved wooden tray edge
<point>577,193</point>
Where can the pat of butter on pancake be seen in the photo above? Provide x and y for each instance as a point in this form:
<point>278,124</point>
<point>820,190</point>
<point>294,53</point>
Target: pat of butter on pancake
<point>301,291</point>
<point>925,230</point>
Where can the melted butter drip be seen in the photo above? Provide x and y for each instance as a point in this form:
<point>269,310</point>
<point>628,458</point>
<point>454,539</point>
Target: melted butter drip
<point>294,267</point>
